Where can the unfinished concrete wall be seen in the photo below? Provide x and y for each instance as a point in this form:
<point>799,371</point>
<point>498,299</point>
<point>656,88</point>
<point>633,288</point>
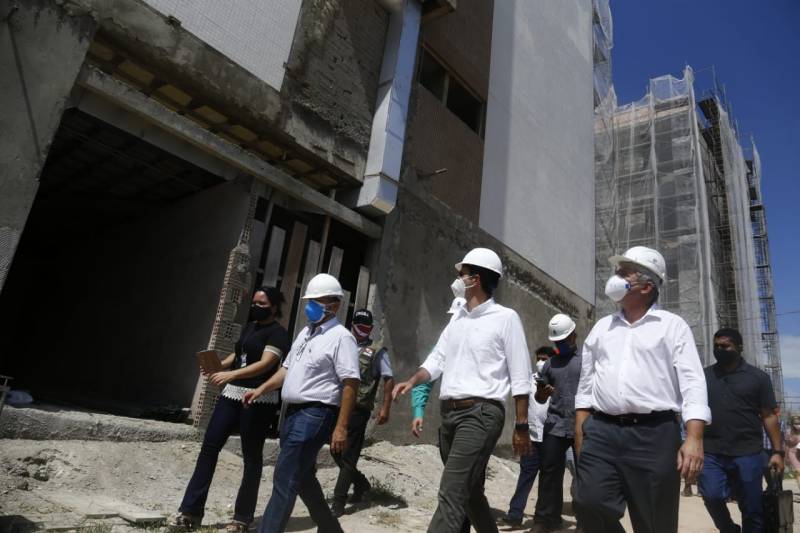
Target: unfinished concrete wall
<point>538,181</point>
<point>41,52</point>
<point>414,265</point>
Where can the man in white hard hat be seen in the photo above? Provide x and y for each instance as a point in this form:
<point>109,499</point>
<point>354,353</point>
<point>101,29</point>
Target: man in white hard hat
<point>558,384</point>
<point>481,356</point>
<point>320,378</point>
<point>640,371</point>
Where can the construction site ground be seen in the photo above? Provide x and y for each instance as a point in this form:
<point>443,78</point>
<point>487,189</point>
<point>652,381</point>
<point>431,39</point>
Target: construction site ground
<point>117,485</point>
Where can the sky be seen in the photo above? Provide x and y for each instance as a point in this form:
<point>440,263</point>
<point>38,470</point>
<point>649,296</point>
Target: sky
<point>754,46</point>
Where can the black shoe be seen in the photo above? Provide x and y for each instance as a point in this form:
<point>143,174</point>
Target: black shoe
<point>358,493</point>
<point>337,509</point>
<point>511,521</point>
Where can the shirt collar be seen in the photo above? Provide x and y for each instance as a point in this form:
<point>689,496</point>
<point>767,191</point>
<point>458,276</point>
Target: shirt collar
<point>651,314</point>
<point>479,310</point>
<point>325,326</point>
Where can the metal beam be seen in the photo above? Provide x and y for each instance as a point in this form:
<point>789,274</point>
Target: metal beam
<point>153,111</point>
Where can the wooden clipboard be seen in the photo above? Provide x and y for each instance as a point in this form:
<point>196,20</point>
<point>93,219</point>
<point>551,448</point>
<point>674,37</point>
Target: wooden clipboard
<point>209,361</point>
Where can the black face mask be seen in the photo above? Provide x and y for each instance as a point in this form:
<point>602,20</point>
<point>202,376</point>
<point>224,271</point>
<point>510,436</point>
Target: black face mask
<point>259,314</point>
<point>725,356</point>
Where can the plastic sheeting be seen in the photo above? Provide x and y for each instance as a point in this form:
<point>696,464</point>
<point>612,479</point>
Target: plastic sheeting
<point>671,178</point>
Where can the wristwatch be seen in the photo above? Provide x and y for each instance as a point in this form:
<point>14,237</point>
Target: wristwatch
<point>778,452</point>
<point>522,427</point>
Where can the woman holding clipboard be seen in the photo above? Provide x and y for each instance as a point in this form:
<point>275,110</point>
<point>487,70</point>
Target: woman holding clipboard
<point>259,351</point>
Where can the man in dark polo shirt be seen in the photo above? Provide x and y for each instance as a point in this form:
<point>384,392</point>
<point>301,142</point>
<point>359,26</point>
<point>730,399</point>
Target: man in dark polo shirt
<point>742,402</point>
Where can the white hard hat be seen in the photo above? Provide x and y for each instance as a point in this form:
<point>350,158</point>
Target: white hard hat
<point>644,257</point>
<point>560,327</point>
<point>482,257</point>
<point>323,285</point>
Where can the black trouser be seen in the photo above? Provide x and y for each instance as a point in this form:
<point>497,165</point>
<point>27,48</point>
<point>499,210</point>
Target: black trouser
<point>553,463</point>
<point>467,438</point>
<point>252,424</point>
<point>633,464</point>
<point>347,460</point>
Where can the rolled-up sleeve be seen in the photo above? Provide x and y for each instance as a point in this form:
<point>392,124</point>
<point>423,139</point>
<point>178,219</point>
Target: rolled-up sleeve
<point>434,363</point>
<point>691,379</point>
<point>346,361</point>
<point>583,397</point>
<point>518,358</point>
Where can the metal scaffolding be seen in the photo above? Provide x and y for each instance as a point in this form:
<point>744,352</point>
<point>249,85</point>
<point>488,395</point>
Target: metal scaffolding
<point>671,174</point>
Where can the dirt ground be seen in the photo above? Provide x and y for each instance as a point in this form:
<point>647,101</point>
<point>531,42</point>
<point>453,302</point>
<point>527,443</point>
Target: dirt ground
<point>89,485</point>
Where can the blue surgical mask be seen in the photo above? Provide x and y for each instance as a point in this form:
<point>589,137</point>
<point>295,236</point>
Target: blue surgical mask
<point>314,311</point>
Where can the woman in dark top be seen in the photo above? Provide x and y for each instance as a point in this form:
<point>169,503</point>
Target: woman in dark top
<point>259,351</point>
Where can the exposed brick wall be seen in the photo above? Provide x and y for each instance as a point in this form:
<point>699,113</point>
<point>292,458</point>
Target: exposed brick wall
<point>335,63</point>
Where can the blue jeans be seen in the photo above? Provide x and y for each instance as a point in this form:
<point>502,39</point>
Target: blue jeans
<point>228,417</point>
<point>726,476</point>
<point>303,433</point>
<point>528,468</point>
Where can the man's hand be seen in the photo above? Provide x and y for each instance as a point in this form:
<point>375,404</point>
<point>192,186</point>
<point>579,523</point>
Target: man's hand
<point>383,416</point>
<point>252,395</point>
<point>543,392</point>
<point>690,458</point>
<point>416,427</point>
<point>221,378</point>
<point>776,463</point>
<point>339,439</point>
<point>521,443</point>
<point>401,389</point>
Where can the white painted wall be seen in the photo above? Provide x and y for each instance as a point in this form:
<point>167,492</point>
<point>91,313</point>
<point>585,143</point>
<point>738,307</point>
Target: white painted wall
<point>537,194</point>
<point>256,34</point>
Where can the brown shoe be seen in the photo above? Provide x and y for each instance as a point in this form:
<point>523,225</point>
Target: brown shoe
<point>186,521</point>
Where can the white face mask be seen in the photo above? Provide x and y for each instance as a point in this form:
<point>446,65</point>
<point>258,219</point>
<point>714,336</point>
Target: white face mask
<point>539,366</point>
<point>617,287</point>
<point>459,288</point>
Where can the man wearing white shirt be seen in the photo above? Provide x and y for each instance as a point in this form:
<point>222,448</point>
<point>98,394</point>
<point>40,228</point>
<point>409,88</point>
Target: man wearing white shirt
<point>640,370</point>
<point>320,378</point>
<point>481,356</point>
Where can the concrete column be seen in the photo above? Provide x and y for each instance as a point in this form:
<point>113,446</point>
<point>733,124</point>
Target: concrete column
<point>41,51</point>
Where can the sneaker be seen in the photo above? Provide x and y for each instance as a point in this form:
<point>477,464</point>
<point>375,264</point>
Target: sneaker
<point>337,509</point>
<point>511,520</point>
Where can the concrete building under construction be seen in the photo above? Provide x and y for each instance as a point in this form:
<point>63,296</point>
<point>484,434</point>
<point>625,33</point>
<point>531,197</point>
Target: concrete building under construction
<point>671,173</point>
<point>159,159</point>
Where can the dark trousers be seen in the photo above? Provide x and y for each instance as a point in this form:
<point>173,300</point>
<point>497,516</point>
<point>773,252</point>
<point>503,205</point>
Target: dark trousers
<point>467,438</point>
<point>724,477</point>
<point>303,433</point>
<point>634,464</point>
<point>550,501</point>
<point>347,461</point>
<point>528,469</point>
<point>228,417</point>
<point>466,527</point>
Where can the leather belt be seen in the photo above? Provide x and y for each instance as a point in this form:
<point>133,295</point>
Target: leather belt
<point>466,403</point>
<point>634,419</point>
<point>294,407</point>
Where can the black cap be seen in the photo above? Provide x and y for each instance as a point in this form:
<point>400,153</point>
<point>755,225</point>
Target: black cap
<point>362,316</point>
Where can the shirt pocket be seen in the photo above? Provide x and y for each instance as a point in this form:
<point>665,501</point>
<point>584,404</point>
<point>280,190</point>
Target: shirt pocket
<point>316,360</point>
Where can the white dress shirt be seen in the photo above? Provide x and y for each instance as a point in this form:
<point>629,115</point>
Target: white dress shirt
<point>481,353</point>
<point>318,363</point>
<point>650,365</point>
<point>537,413</point>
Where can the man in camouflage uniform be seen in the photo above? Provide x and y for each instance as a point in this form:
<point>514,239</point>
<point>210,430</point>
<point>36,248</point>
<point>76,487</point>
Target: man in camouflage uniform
<point>373,365</point>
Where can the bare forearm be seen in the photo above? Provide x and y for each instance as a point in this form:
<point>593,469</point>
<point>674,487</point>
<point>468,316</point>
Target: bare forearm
<point>580,417</point>
<point>388,386</point>
<point>226,363</point>
<point>773,428</point>
<point>349,392</point>
<point>420,376</point>
<point>521,408</point>
<point>694,429</point>
<point>274,382</point>
<point>257,368</point>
